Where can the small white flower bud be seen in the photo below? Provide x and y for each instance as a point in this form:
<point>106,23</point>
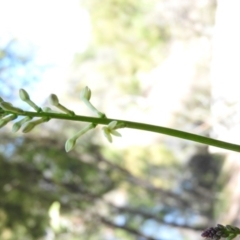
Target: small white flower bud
<point>17,125</point>
<point>24,95</point>
<point>85,93</point>
<point>7,119</point>
<point>9,107</point>
<point>70,144</point>
<point>54,100</point>
<point>28,127</point>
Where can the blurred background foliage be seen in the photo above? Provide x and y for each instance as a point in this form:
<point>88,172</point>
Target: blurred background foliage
<point>115,34</point>
<point>167,189</point>
<point>96,193</point>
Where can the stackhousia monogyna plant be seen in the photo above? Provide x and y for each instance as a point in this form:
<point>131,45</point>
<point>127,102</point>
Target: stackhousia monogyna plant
<point>30,119</point>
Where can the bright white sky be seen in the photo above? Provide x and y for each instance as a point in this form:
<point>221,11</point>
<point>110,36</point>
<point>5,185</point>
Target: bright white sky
<point>59,28</point>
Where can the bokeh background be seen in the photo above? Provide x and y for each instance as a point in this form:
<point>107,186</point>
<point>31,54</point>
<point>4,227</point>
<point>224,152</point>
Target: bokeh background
<point>164,62</point>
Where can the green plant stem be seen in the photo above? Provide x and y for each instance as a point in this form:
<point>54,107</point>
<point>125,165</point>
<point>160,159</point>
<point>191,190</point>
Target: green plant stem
<point>139,126</point>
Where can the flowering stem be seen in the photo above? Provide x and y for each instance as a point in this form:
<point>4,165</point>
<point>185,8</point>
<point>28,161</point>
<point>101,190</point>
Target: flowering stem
<point>139,126</point>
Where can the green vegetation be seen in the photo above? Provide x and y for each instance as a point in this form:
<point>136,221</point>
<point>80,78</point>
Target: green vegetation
<point>99,192</point>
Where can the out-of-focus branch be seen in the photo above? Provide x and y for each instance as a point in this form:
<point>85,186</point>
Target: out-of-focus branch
<point>126,228</point>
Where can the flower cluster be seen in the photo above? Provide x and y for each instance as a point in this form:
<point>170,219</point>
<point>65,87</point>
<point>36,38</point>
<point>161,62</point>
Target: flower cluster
<point>229,232</point>
<point>10,112</point>
<point>30,120</point>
